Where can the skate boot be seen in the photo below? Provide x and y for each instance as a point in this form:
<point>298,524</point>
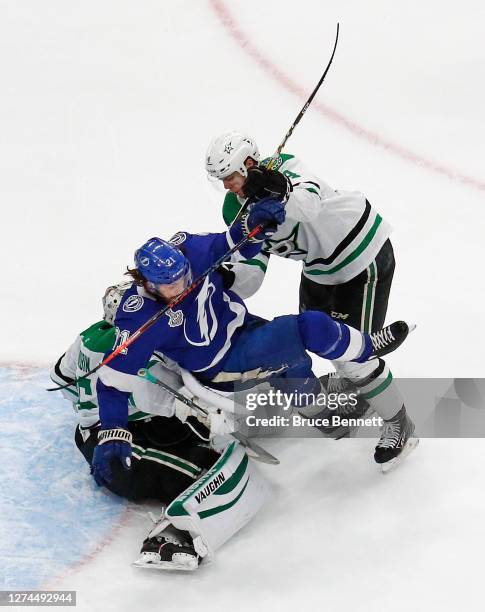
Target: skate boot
<point>333,383</point>
<point>169,550</point>
<point>389,338</point>
<point>396,441</point>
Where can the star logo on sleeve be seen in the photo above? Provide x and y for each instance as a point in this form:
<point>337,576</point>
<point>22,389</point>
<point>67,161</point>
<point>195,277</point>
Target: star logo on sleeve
<point>287,246</point>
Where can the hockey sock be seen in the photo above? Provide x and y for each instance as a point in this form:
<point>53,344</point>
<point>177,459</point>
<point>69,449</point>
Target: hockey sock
<point>376,386</point>
<point>332,340</point>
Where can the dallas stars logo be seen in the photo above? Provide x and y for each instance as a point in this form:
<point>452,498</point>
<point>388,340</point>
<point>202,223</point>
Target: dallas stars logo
<point>228,148</point>
<point>287,246</point>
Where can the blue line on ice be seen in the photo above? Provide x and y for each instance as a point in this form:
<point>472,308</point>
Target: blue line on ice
<point>51,512</point>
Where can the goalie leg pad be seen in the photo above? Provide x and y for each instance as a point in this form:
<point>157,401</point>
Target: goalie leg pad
<point>219,504</point>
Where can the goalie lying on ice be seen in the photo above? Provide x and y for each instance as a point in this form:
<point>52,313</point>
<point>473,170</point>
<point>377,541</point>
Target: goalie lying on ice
<point>210,493</point>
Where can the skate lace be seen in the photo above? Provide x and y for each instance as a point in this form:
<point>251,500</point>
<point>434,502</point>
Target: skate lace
<point>390,435</point>
<point>335,383</point>
<point>382,338</point>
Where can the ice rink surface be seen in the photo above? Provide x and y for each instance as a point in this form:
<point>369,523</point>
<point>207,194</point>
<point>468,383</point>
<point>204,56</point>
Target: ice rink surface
<point>107,111</point>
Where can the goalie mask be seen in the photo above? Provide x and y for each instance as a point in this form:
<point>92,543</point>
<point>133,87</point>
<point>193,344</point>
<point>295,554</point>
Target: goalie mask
<point>112,299</point>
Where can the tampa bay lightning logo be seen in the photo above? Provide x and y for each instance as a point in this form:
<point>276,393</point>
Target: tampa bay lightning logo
<point>206,318</point>
<point>133,303</point>
<point>178,238</point>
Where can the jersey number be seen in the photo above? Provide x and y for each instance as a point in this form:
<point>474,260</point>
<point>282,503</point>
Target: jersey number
<point>84,389</point>
<point>121,337</point>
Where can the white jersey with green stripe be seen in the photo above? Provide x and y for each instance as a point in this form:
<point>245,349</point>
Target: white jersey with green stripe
<point>335,234</point>
<point>86,352</point>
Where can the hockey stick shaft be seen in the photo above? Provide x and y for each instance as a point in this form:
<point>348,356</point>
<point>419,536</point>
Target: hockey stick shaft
<point>260,453</point>
<point>201,278</point>
<point>295,122</point>
<point>307,103</point>
<point>143,328</point>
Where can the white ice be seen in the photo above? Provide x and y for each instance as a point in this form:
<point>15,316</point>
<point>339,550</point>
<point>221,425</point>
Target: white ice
<point>107,111</point>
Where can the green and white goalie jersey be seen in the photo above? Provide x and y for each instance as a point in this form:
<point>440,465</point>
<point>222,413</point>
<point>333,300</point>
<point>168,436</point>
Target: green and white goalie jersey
<point>86,352</point>
<point>335,234</point>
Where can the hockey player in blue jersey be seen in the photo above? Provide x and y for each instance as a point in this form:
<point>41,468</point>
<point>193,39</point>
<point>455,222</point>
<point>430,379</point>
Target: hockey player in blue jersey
<point>210,332</point>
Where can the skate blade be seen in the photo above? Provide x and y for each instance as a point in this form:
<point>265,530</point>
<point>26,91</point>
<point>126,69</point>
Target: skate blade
<point>166,566</point>
<point>411,327</point>
<point>393,463</point>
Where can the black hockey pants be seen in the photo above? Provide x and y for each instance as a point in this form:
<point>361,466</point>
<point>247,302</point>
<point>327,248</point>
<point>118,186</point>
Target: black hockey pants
<point>167,458</point>
<point>362,301</point>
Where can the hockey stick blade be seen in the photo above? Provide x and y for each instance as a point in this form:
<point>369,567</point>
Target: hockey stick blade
<point>260,453</point>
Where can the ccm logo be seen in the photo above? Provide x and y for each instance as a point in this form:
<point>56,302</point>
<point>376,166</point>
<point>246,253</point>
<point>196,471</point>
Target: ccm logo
<point>339,315</point>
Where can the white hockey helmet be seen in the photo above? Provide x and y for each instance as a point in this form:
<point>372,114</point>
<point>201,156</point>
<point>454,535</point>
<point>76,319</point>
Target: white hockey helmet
<point>228,152</point>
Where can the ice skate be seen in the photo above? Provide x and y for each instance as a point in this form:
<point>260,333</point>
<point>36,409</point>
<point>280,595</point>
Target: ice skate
<point>169,550</point>
<point>333,383</point>
<point>396,442</point>
<point>389,338</point>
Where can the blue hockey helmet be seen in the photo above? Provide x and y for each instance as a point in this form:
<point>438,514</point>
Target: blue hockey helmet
<point>161,263</point>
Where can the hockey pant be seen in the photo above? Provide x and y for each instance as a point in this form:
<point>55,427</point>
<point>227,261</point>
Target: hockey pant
<point>362,303</point>
<point>167,458</point>
<point>276,350</point>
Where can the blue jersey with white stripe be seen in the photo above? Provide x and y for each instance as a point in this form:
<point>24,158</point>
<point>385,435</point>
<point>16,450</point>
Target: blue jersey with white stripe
<point>199,331</point>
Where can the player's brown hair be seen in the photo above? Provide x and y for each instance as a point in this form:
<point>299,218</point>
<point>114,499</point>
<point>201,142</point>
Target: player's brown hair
<point>135,275</point>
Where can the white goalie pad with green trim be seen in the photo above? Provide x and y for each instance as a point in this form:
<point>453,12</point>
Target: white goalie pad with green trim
<point>220,503</point>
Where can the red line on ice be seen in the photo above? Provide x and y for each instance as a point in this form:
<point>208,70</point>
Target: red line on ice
<point>54,582</point>
<point>244,41</point>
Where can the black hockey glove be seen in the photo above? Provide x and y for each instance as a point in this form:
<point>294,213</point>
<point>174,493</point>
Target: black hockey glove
<point>262,183</point>
<point>228,276</point>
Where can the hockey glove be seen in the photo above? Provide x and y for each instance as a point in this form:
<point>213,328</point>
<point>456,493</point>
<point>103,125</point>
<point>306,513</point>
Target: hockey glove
<point>228,276</point>
<point>263,183</point>
<point>112,444</point>
<point>269,213</point>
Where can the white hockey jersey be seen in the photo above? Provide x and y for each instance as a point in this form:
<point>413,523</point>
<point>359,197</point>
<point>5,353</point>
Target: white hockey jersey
<point>335,234</point>
<point>146,399</point>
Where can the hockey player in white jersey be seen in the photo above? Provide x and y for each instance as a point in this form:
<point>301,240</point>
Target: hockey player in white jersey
<point>347,264</point>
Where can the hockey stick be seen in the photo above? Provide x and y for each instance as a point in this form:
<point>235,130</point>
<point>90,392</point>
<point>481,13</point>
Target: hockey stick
<point>260,454</point>
<point>307,103</point>
<point>294,124</point>
<point>153,319</point>
<point>201,278</point>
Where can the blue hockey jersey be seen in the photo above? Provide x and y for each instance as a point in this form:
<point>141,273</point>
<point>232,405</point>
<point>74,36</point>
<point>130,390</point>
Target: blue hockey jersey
<point>197,333</point>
